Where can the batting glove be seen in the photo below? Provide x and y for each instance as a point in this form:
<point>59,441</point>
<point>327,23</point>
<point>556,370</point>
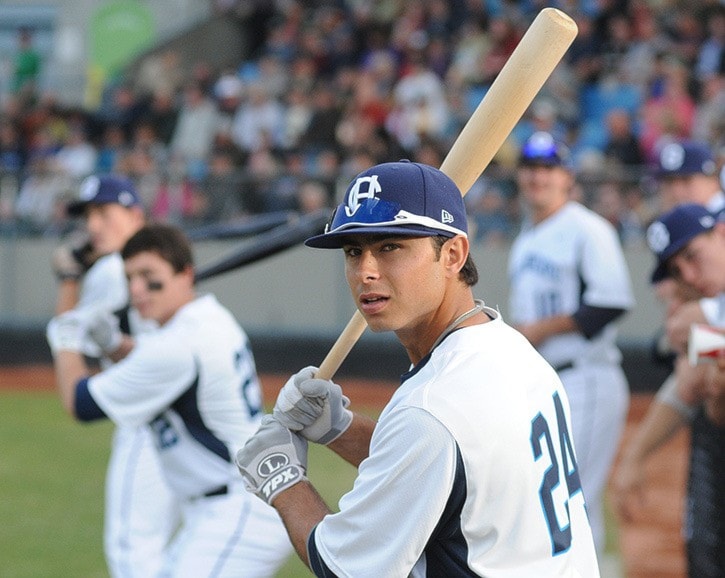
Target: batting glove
<point>273,460</point>
<point>316,408</point>
<point>67,332</point>
<point>104,329</point>
<point>71,260</point>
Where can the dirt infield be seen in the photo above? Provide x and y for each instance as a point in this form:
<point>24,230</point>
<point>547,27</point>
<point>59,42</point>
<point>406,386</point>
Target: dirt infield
<point>651,547</point>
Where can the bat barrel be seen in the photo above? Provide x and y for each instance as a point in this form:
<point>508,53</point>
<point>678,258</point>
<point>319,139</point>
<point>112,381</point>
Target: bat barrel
<point>527,69</point>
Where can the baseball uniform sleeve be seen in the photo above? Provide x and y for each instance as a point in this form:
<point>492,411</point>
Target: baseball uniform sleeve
<point>604,270</point>
<point>397,501</point>
<point>138,388</point>
<point>105,284</point>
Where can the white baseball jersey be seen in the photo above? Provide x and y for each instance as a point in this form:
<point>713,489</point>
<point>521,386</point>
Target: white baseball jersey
<point>570,259</point>
<point>471,471</point>
<point>573,257</point>
<point>194,382</point>
<point>140,515</point>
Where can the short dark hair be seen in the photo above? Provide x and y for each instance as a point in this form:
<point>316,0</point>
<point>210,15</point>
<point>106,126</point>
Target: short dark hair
<point>469,272</point>
<point>169,242</point>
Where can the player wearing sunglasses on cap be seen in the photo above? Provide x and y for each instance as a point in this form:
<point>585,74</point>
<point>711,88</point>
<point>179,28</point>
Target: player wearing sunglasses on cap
<point>470,469</point>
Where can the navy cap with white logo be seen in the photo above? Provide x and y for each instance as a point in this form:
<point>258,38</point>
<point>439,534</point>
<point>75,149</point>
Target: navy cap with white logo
<point>671,232</point>
<point>399,198</point>
<point>542,149</point>
<point>104,189</point>
<point>681,159</point>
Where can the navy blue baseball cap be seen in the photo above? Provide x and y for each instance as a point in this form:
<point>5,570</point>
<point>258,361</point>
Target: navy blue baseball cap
<point>542,149</point>
<point>399,198</point>
<point>104,189</point>
<point>682,159</point>
<point>672,231</point>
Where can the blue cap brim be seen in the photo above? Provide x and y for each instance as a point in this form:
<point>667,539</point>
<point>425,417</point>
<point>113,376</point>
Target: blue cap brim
<point>336,239</point>
<point>661,273</point>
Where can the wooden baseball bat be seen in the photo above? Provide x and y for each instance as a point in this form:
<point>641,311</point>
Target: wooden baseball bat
<point>531,63</point>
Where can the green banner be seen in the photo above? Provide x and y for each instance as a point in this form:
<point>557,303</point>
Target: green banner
<point>119,30</point>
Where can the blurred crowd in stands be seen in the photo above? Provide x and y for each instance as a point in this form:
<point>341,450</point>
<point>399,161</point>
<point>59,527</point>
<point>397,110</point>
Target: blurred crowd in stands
<point>333,87</point>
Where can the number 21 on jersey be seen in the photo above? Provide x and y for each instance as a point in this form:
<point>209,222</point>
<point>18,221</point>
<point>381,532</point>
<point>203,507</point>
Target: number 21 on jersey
<point>552,442</point>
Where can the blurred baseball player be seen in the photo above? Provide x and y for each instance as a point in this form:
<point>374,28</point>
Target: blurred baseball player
<point>687,173</point>
<point>569,283</point>
<point>470,469</point>
<point>689,244</point>
<point>139,516</point>
<point>192,382</point>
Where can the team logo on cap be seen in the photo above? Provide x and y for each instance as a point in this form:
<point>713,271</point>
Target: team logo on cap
<point>125,198</point>
<point>658,237</point>
<point>357,195</point>
<point>672,157</point>
<point>89,188</point>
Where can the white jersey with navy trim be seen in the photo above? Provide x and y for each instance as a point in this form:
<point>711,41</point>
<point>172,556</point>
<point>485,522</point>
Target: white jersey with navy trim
<point>471,472</point>
<point>571,258</point>
<point>139,516</point>
<point>194,382</point>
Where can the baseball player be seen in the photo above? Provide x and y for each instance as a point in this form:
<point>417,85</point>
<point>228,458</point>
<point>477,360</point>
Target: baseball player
<point>569,283</point>
<point>470,469</point>
<point>686,172</point>
<point>689,244</point>
<point>192,383</point>
<point>139,515</point>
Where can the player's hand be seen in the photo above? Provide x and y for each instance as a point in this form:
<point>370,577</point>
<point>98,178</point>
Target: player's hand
<point>316,408</point>
<point>72,259</point>
<point>628,488</point>
<point>679,322</point>
<point>67,332</point>
<point>272,460</point>
<point>104,329</point>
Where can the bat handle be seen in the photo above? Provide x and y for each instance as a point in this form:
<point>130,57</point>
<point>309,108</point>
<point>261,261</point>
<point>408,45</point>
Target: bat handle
<point>338,352</point>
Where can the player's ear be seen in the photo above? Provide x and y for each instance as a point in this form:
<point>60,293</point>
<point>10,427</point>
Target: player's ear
<point>189,273</point>
<point>455,253</point>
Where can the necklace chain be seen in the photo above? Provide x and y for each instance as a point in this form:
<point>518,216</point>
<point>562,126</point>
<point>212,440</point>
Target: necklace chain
<point>478,307</point>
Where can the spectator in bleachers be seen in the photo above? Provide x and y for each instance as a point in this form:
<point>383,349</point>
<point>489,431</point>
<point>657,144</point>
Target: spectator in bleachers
<point>160,73</point>
<point>12,155</point>
<point>111,147</point>
<point>709,123</point>
<point>119,106</point>
<point>263,168</point>
<point>622,147</point>
<point>298,112</point>
<point>670,114</point>
<point>196,127</point>
<point>76,156</point>
<point>162,113</point>
<point>258,121</point>
<point>320,133</point>
<point>229,93</point>
<point>40,205</point>
<point>26,68</point>
<point>311,196</point>
<point>223,186</point>
<point>712,50</point>
<point>420,106</point>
